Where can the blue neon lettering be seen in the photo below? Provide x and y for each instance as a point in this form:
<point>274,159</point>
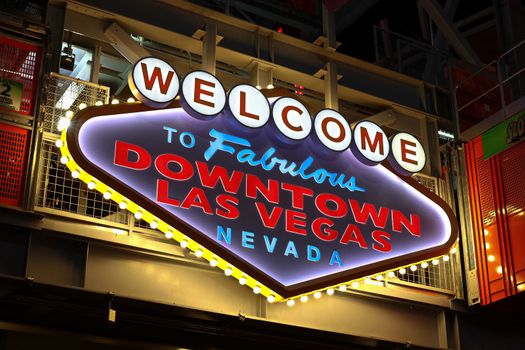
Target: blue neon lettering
<point>225,236</point>
<point>290,249</point>
<point>313,249</point>
<point>247,239</point>
<point>270,246</point>
<point>336,259</point>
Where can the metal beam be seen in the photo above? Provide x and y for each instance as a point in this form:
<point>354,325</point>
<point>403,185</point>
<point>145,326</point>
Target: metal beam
<point>209,45</point>
<point>95,66</point>
<point>122,42</point>
<point>450,32</point>
<point>329,28</point>
<point>352,12</point>
<point>330,86</point>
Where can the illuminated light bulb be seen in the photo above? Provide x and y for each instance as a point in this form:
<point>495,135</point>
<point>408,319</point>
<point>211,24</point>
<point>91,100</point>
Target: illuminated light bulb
<point>271,298</point>
<point>130,100</point>
<point>107,195</point>
<point>435,262</point>
<point>63,124</point>
<point>64,160</point>
<point>242,281</point>
<point>269,86</point>
<point>491,258</point>
<point>258,87</point>
<point>304,299</point>
<point>487,245</point>
<point>317,295</point>
<point>198,253</point>
<point>413,268</point>
<point>91,185</point>
<point>82,106</point>
<point>330,291</point>
<point>342,288</point>
<point>75,174</point>
<point>424,265</point>
<point>391,274</point>
<point>228,271</point>
<point>256,290</point>
<point>402,271</point>
<point>214,262</point>
<point>123,205</point>
<point>290,302</point>
<point>446,258</point>
<point>499,270</point>
<point>453,250</point>
<point>168,234</point>
<point>59,143</point>
<point>154,224</point>
<point>138,215</point>
<point>355,284</point>
<point>69,114</point>
<point>99,103</point>
<point>379,277</point>
<point>115,101</point>
<point>485,232</point>
<point>184,244</point>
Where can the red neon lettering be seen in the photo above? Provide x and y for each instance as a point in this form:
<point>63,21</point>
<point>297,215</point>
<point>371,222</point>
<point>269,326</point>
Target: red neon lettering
<point>198,91</point>
<point>321,201</point>
<point>269,220</point>
<point>197,198</point>
<point>295,222</point>
<point>324,234</point>
<point>218,173</point>
<point>361,215</point>
<point>405,151</point>
<point>378,141</point>
<point>162,164</point>
<point>228,206</point>
<point>353,234</point>
<point>156,75</point>
<point>270,191</point>
<point>382,241</point>
<point>122,150</point>
<point>399,221</point>
<point>298,194</point>
<point>163,193</point>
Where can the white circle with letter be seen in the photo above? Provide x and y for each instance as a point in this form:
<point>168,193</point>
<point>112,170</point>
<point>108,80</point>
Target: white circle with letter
<point>371,141</point>
<point>408,152</point>
<point>203,93</point>
<point>292,118</point>
<point>249,106</point>
<point>332,129</point>
<point>154,82</point>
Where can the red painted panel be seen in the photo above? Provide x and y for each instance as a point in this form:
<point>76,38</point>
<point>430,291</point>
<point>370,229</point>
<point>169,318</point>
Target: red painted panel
<point>13,146</point>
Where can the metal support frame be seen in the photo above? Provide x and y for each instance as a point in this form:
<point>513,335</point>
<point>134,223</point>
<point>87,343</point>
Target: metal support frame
<point>449,30</point>
<point>209,46</point>
<point>124,44</point>
<point>330,86</point>
<point>329,28</point>
<point>95,65</point>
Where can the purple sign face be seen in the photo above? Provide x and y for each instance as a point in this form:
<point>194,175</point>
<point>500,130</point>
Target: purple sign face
<point>292,214</point>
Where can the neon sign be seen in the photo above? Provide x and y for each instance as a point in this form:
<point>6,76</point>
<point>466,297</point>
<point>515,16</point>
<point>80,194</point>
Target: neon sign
<point>286,203</point>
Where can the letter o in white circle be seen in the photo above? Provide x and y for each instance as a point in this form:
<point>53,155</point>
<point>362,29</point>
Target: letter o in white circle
<point>333,130</point>
<point>292,118</point>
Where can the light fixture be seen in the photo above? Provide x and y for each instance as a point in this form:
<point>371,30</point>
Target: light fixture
<point>342,288</point>
<point>63,124</point>
<point>269,86</point>
<point>424,265</point>
<point>271,298</point>
<point>402,271</point>
<point>317,295</point>
<point>487,245</point>
<point>228,271</point>
<point>413,268</point>
<point>198,253</point>
<point>168,234</point>
<point>91,185</point>
<point>304,298</point>
<point>379,277</point>
<point>499,270</point>
<point>75,174</point>
<point>330,291</point>
<point>214,262</point>
<point>69,114</point>
<point>256,289</point>
<point>82,106</point>
<point>242,281</point>
<point>115,101</point>
<point>446,258</point>
<point>355,284</point>
<point>123,205</point>
<point>453,250</point>
<point>290,302</point>
<point>435,262</point>
<point>491,258</point>
<point>391,274</point>
<point>107,195</point>
<point>59,143</point>
<point>184,244</point>
<point>64,160</point>
<point>130,100</point>
<point>99,103</point>
<point>138,215</point>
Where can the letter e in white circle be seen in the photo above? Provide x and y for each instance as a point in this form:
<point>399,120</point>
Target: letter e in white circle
<point>203,93</point>
<point>408,152</point>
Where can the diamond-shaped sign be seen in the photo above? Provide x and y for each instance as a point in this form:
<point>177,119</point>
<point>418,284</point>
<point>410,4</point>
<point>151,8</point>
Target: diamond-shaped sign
<point>286,216</point>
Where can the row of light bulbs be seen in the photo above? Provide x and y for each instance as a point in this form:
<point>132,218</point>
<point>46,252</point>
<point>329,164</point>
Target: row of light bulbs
<point>198,250</point>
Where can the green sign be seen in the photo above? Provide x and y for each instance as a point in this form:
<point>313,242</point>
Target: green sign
<point>10,94</point>
<point>503,135</point>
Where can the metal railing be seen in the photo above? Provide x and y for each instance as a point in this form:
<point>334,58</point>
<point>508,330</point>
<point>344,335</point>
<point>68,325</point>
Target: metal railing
<point>508,74</point>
